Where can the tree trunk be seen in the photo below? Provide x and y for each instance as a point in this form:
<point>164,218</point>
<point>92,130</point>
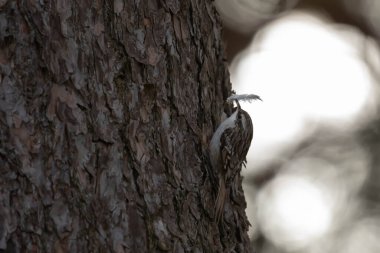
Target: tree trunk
<point>106,112</point>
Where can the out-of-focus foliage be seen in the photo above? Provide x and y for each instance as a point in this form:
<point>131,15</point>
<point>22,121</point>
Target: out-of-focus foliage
<point>368,10</point>
<point>313,169</point>
<point>246,15</point>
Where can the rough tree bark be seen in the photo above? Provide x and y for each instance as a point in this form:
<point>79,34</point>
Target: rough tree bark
<point>106,111</point>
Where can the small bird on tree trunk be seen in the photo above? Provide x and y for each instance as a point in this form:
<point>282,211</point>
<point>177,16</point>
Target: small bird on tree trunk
<point>229,146</point>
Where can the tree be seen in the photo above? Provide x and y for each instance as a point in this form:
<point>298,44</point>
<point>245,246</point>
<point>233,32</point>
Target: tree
<point>106,111</point>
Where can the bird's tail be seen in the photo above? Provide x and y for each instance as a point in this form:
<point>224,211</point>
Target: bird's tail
<point>219,203</point>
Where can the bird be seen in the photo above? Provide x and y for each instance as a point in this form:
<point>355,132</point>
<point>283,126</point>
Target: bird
<point>228,148</point>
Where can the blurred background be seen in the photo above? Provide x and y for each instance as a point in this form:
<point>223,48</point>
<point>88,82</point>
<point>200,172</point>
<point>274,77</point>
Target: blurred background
<point>312,181</point>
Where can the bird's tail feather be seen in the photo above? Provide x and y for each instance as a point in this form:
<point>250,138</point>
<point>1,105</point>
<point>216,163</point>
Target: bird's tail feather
<point>219,203</point>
